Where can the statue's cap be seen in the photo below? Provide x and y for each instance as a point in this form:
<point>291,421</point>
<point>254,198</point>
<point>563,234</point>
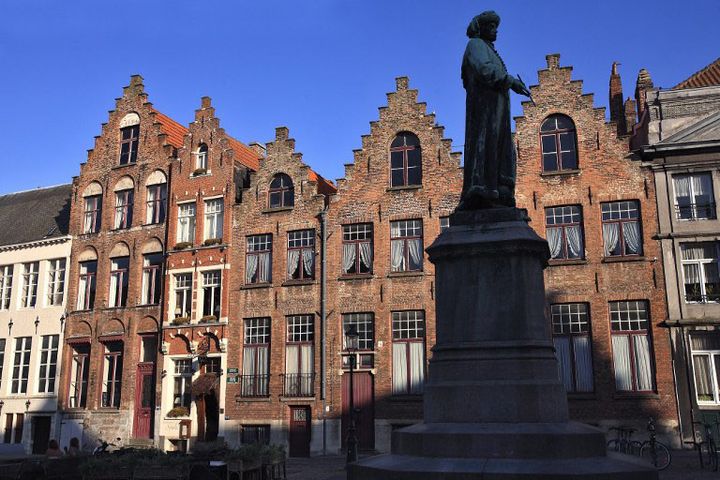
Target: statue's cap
<point>479,21</point>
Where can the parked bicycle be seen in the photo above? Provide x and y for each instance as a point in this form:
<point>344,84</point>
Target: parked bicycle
<point>704,443</point>
<point>654,452</point>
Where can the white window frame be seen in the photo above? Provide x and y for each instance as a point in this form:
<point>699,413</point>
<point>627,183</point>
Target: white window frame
<point>151,277</point>
<point>185,291</point>
<point>121,278</point>
<point>21,366</point>
<point>47,379</point>
<point>6,277</point>
<point>30,277</point>
<point>693,207</point>
<point>57,269</point>
<point>700,263</point>
<point>112,387</point>
<point>186,222</point>
<point>213,228</point>
<point>216,276</point>
<point>185,376</point>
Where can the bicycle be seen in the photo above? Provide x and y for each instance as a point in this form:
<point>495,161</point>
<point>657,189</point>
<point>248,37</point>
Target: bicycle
<point>651,450</point>
<point>706,444</point>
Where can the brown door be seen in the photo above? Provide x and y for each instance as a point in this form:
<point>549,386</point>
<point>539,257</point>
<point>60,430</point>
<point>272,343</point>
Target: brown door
<point>40,434</point>
<point>364,405</point>
<point>144,401</point>
<point>299,431</point>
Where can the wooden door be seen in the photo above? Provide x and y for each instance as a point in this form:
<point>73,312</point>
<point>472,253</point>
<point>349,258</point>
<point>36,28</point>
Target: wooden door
<point>40,434</point>
<point>364,404</point>
<point>144,400</point>
<point>300,431</point>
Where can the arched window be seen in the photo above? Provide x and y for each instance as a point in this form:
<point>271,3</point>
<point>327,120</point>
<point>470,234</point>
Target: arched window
<point>281,193</point>
<point>201,163</point>
<point>129,137</point>
<point>559,149</point>
<point>92,208</point>
<point>405,161</point>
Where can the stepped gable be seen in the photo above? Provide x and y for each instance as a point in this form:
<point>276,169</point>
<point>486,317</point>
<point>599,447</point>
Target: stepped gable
<point>706,77</point>
<point>50,208</point>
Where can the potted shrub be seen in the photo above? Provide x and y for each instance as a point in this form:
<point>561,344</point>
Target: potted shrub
<point>181,320</point>
<point>212,241</point>
<point>182,245</point>
<point>199,171</point>
<point>178,412</point>
<point>208,319</point>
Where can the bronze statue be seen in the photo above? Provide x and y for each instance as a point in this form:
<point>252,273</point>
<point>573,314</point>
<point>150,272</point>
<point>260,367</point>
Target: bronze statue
<point>489,179</point>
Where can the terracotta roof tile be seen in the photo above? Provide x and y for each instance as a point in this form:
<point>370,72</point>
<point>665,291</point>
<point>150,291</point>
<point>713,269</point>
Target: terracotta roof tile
<point>245,155</point>
<point>174,131</point>
<point>706,77</point>
<point>323,185</point>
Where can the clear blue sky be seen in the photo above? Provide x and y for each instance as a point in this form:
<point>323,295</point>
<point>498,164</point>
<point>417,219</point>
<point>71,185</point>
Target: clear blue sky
<point>320,67</point>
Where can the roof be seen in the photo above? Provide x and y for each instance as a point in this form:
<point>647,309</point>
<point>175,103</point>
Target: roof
<point>245,155</point>
<point>706,77</point>
<point>323,185</point>
<point>34,215</point>
<point>174,131</point>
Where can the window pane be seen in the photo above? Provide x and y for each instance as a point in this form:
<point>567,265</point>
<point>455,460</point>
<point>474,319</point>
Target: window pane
<point>550,162</point>
<point>397,178</point>
<point>396,160</point>
<point>549,144</point>
<point>703,378</point>
<point>569,160</point>
<point>414,176</point>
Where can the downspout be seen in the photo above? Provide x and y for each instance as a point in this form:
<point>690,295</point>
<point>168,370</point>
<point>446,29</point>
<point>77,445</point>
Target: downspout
<point>323,334</point>
<point>161,321</point>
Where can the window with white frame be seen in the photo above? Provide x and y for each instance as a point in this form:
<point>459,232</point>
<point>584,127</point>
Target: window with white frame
<point>571,338</point>
<point>2,357</point>
<point>700,272</point>
<point>182,379</point>
<point>48,363</point>
<point>256,361</point>
<point>213,219</point>
<point>87,285</point>
<point>365,327</point>
<point>156,199</point>
<point>563,228</point>
<point>56,281</point>
<point>406,245</point>
<point>118,281</point>
<point>258,259</point>
<point>112,374</point>
<point>183,295</point>
<point>186,223</point>
<point>92,214</point>
<point>299,370</point>
<point>444,223</point>
<point>632,347</point>
<point>408,330</point>
<point>694,198</point>
<point>357,254</point>
<point>21,365</point>
<point>705,351</point>
<point>6,276</point>
<point>301,255</point>
<point>201,158</point>
<point>622,235</point>
<point>152,278</point>
<point>79,374</point>
<point>123,209</point>
<point>30,284</point>
<point>211,294</point>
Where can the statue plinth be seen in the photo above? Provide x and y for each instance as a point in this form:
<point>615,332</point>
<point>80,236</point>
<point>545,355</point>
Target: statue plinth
<point>494,406</point>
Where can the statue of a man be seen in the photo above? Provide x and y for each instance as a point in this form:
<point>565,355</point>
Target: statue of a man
<point>489,153</point>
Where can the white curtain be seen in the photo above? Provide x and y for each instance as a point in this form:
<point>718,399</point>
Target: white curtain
<point>306,367</point>
<point>88,221</point>
<point>399,378</point>
<point>150,212</point>
<point>692,273</point>
<point>554,239</point>
<point>682,186</point>
<point>397,255</point>
<point>251,264</point>
<point>574,239</point>
<point>631,232</point>
<point>417,367</point>
<point>366,254</point>
<point>562,352</point>
<point>621,361</point>
<point>348,259</point>
<point>643,365</point>
<point>308,261</point>
<point>113,291</point>
<point>261,368</point>
<point>293,262</point>
<point>264,267</point>
<point>416,253</point>
<point>583,364</point>
<point>292,366</point>
<point>82,287</point>
<point>703,385</point>
<point>610,237</point>
<point>701,185</point>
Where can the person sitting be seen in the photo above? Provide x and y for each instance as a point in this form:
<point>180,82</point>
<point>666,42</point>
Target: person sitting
<point>74,450</point>
<point>53,450</point>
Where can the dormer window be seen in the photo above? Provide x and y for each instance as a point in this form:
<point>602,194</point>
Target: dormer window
<point>405,161</point>
<point>129,137</point>
<point>281,193</point>
<point>201,160</point>
<point>559,150</point>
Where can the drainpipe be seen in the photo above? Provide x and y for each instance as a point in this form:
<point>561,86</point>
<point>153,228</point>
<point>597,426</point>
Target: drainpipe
<point>323,339</point>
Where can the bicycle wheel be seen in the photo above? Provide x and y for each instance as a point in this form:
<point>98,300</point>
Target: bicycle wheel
<point>662,455</point>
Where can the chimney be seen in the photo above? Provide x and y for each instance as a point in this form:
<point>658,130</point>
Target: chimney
<point>630,115</point>
<point>617,113</point>
<point>642,86</point>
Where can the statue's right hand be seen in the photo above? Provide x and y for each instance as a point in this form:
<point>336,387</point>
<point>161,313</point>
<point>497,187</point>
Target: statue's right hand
<point>518,86</point>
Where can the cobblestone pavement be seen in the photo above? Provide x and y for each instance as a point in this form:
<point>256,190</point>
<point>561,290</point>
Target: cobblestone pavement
<point>684,467</point>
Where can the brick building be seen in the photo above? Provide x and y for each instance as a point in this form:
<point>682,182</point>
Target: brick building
<point>605,288</point>
<point>117,221</point>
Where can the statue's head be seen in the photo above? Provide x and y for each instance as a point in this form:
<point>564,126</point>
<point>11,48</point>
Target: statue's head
<point>484,26</point>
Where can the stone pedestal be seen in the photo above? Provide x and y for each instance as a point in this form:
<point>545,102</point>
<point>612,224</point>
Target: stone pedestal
<point>494,407</point>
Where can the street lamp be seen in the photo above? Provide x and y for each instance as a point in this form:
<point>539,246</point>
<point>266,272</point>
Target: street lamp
<point>351,346</point>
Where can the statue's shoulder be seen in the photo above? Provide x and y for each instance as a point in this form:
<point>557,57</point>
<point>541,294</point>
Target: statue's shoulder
<point>477,48</point>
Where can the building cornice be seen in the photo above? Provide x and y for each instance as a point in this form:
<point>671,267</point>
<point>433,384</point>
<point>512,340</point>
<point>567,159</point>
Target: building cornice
<point>35,244</point>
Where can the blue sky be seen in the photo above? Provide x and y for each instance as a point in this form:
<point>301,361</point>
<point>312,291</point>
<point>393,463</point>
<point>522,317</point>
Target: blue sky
<point>320,67</point>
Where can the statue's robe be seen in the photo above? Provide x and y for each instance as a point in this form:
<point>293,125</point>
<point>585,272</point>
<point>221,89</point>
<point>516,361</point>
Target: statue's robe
<point>489,153</point>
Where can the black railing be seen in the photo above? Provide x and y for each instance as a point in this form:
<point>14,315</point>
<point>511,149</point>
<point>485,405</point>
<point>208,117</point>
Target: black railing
<point>709,298</point>
<point>254,385</point>
<point>299,384</point>
<point>695,211</point>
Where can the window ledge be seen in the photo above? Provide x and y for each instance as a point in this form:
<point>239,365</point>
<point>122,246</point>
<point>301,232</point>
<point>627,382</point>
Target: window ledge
<point>108,410</point>
<point>124,165</point>
<point>561,173</point>
<point>256,285</point>
<point>240,398</point>
<point>187,417</point>
<point>296,399</point>
<point>582,396</point>
<point>362,276</point>
<point>403,187</point>
<point>293,283</point>
<point>634,258</point>
<point>636,396</point>
<point>406,398</point>
<point>560,263</point>
<point>418,273</point>
<point>206,174</point>
<point>277,209</point>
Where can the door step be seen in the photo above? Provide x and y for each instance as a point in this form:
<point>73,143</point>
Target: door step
<point>140,443</point>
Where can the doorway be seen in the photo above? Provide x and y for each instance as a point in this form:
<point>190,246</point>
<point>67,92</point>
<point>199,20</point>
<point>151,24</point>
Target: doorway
<point>364,404</point>
<point>144,400</point>
<point>40,434</point>
<point>299,431</point>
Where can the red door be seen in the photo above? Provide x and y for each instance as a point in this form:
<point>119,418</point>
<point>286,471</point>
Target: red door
<point>144,400</point>
<point>299,431</point>
<point>364,408</point>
